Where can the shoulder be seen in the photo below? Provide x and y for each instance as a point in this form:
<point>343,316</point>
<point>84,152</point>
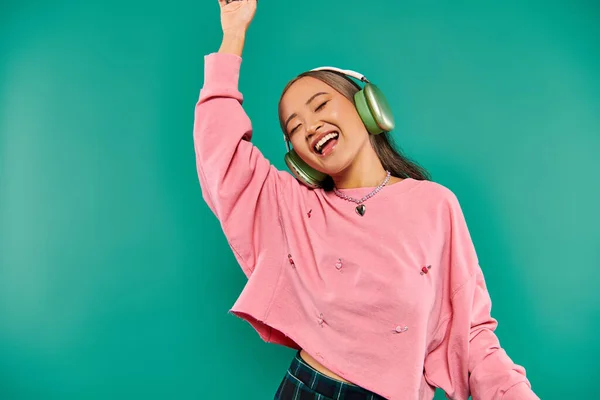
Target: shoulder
<point>436,193</point>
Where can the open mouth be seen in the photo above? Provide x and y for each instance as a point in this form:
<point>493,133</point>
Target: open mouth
<point>326,144</point>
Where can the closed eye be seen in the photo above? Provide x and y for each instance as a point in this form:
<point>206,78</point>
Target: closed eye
<point>321,106</point>
<point>316,109</point>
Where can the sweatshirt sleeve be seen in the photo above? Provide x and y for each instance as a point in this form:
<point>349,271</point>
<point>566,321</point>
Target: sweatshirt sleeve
<point>239,185</point>
<point>469,359</point>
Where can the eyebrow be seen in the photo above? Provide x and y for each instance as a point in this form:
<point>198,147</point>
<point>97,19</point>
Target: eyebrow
<point>307,103</point>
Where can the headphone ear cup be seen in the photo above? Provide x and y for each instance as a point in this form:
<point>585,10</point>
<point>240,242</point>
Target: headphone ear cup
<point>305,174</point>
<point>374,109</point>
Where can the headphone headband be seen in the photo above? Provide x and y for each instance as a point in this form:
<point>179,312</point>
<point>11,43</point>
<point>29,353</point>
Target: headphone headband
<point>348,72</point>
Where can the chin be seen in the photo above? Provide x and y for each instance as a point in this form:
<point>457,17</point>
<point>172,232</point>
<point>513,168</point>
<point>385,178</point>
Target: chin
<point>334,166</point>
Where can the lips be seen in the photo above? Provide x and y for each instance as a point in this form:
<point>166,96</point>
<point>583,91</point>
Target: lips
<point>321,136</point>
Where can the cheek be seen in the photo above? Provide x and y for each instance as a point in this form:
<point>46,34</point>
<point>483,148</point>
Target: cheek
<point>301,148</point>
<point>350,120</point>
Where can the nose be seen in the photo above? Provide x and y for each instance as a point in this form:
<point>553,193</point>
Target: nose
<point>312,129</point>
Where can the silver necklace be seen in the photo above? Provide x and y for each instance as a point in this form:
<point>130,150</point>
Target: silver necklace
<point>360,208</point>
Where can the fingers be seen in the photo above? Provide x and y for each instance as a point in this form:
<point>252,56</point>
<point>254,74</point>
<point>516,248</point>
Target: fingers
<point>223,3</point>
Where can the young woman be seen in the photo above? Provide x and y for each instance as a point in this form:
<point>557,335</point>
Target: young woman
<point>357,260</point>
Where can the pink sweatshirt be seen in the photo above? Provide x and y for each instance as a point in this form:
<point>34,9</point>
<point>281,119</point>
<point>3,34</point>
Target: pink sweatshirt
<point>351,290</point>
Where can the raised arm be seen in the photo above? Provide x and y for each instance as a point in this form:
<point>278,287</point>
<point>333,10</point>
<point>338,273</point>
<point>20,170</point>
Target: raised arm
<point>238,183</point>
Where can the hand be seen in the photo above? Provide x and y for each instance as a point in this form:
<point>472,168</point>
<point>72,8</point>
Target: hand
<point>236,15</point>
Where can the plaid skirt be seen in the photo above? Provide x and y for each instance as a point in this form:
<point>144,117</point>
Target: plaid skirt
<point>303,382</point>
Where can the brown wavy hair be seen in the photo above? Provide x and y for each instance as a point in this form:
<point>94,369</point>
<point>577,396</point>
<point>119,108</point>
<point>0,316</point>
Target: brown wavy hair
<point>391,158</point>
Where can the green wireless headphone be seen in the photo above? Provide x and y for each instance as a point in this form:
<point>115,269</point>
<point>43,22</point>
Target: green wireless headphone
<point>374,112</point>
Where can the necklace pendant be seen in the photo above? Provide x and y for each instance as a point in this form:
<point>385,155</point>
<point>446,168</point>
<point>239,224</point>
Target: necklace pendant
<point>361,209</point>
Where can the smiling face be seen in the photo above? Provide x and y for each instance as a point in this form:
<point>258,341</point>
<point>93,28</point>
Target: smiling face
<point>323,125</point>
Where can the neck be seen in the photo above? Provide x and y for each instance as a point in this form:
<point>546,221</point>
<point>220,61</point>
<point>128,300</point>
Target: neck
<point>365,171</point>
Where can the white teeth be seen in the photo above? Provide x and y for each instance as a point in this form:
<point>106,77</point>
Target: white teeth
<point>324,139</point>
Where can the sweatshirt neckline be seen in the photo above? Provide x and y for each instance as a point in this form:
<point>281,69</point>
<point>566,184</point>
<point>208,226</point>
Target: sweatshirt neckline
<point>398,187</point>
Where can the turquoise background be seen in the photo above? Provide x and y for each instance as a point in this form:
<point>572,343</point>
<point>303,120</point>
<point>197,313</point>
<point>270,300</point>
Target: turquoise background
<point>115,278</point>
